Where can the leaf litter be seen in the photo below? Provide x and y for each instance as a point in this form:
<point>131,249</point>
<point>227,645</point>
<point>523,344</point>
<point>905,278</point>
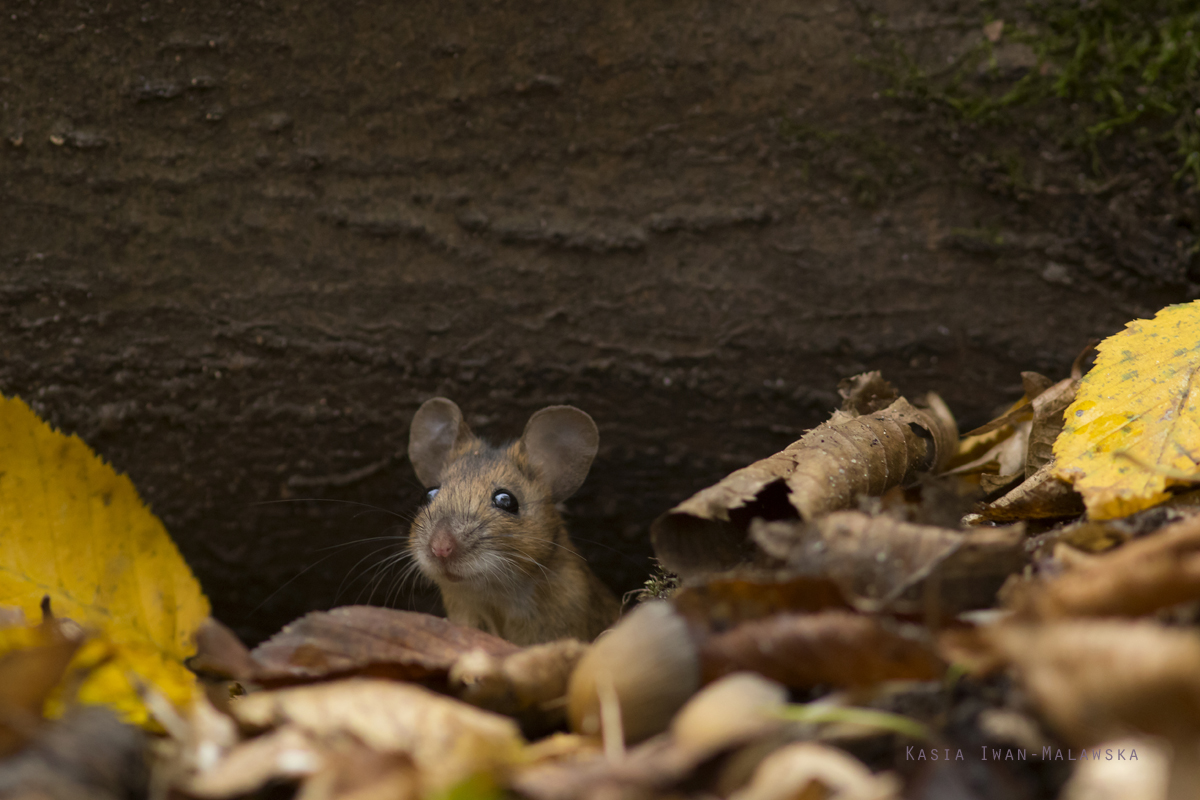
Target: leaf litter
<point>883,609</point>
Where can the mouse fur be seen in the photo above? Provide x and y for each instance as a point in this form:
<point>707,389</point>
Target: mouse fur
<point>506,565</point>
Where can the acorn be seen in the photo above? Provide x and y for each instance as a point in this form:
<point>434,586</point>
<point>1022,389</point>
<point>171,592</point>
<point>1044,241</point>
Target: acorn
<point>630,683</point>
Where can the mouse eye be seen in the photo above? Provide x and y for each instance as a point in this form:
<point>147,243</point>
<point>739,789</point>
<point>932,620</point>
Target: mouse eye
<point>432,493</point>
<point>505,501</point>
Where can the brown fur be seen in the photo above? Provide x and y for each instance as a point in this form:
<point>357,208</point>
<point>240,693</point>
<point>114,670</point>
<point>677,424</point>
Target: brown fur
<point>519,577</point>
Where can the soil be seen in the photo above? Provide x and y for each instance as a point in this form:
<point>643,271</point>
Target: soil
<point>243,241</point>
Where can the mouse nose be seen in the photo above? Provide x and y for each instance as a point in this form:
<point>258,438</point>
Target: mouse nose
<point>442,543</point>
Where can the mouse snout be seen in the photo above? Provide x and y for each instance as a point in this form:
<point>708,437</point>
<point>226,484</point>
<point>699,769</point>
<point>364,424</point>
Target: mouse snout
<point>442,543</point>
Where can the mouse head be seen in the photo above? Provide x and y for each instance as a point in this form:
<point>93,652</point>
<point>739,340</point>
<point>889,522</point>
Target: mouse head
<point>490,516</point>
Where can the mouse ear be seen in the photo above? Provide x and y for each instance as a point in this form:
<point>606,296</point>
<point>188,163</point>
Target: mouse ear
<point>561,442</point>
<point>437,428</point>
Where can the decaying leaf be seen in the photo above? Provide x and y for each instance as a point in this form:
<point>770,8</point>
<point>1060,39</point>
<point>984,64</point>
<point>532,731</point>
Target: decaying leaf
<point>447,739</point>
<point>879,560</point>
<point>1042,495</point>
<point>530,684</point>
<point>721,602</point>
<point>32,663</point>
<point>75,531</point>
<point>1098,679</point>
<point>1139,400</point>
<point>1048,421</point>
<point>832,648</point>
<point>828,468</point>
<point>368,640</point>
<point>286,754</point>
<point>809,770</point>
<point>1140,577</point>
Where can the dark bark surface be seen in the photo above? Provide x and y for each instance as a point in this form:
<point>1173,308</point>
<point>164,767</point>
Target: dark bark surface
<point>242,242</point>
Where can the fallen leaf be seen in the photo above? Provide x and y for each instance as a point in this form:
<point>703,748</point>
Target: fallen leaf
<point>880,561</point>
<point>994,30</point>
<point>1095,680</point>
<point>807,770</point>
<point>286,754</point>
<point>75,531</point>
<point>1139,400</point>
<point>830,467</point>
<point>530,684</point>
<point>33,661</point>
<point>447,739</point>
<point>1157,571</point>
<point>832,648</point>
<point>1048,421</point>
<point>368,640</point>
<point>1042,495</point>
<point>721,602</point>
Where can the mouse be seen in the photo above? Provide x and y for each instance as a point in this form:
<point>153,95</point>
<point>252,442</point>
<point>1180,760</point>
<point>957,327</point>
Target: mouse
<point>489,533</point>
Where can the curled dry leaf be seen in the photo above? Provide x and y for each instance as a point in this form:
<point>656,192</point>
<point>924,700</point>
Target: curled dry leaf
<point>1142,576</point>
<point>530,684</point>
<point>448,740</point>
<point>1048,408</point>
<point>367,640</point>
<point>879,560</point>
<point>807,769</point>
<point>832,648</point>
<point>635,676</point>
<point>1041,496</point>
<point>1140,400</point>
<point>1097,679</point>
<point>827,469</point>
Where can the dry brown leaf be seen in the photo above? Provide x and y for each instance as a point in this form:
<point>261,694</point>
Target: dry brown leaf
<point>447,739</point>
<point>33,662</point>
<point>721,602</point>
<point>828,468</point>
<point>368,640</point>
<point>807,770</point>
<point>880,561</point>
<point>1140,577</point>
<point>220,653</point>
<point>1048,408</point>
<point>832,648</point>
<point>353,772</point>
<point>1095,680</point>
<point>1040,496</point>
<point>530,684</point>
<point>286,754</point>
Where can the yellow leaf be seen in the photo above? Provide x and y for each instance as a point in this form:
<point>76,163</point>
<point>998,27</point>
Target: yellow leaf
<point>72,529</point>
<point>1135,422</point>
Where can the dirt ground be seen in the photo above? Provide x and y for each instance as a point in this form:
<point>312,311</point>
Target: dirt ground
<point>243,241</point>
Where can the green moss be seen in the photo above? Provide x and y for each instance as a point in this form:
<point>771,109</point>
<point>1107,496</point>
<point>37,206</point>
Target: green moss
<point>1103,67</point>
